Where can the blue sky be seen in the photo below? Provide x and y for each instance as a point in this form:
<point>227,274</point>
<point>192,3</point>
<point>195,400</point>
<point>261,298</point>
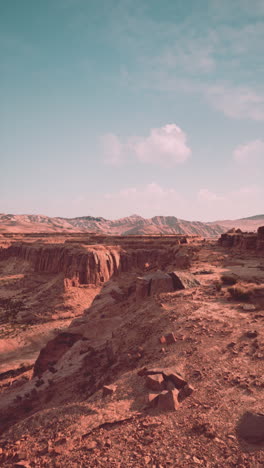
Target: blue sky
<point>115,107</point>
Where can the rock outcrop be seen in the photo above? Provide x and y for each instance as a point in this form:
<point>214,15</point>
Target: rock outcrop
<point>53,351</point>
<point>235,238</point>
<point>161,282</point>
<point>87,264</point>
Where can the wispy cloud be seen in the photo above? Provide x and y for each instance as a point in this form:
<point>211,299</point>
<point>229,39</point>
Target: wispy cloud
<point>218,57</point>
<point>205,195</point>
<point>250,152</point>
<point>237,102</point>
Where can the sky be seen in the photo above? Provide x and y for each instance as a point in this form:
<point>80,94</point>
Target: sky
<point>115,107</point>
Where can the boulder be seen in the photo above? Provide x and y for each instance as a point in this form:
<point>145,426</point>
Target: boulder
<point>153,283</point>
<point>161,282</point>
<point>153,399</point>
<point>251,427</point>
<point>176,378</point>
<point>170,338</point>
<point>168,400</point>
<point>185,391</point>
<point>183,280</point>
<point>155,382</point>
<point>142,288</point>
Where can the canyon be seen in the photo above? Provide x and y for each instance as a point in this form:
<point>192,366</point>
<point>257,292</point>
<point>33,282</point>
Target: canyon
<point>121,350</point>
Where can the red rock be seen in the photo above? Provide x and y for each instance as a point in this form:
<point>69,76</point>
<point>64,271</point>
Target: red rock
<point>185,391</point>
<point>153,399</point>
<point>183,280</point>
<point>109,390</point>
<point>162,340</point>
<point>155,382</point>
<point>251,427</point>
<point>146,371</point>
<point>170,338</point>
<point>177,379</point>
<point>168,400</point>
<point>169,385</point>
<point>91,445</point>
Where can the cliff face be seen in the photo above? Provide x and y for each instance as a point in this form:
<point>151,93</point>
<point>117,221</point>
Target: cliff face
<point>243,240</point>
<point>85,264</point>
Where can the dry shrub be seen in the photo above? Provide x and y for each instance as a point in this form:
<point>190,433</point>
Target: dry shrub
<point>259,290</point>
<point>242,292</point>
<point>228,279</point>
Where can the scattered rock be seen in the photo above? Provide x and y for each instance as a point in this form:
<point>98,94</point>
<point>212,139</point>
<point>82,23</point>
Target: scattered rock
<point>248,307</point>
<point>251,334</point>
<point>91,445</point>
<point>109,390</point>
<point>22,464</point>
<point>108,443</point>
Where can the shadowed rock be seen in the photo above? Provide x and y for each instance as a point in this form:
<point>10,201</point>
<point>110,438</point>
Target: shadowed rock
<point>251,427</point>
<point>183,280</point>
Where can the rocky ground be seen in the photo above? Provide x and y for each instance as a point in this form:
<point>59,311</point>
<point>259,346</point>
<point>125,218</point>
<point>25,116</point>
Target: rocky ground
<point>88,400</point>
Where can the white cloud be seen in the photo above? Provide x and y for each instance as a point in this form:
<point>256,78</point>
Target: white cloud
<point>237,103</point>
<point>249,152</point>
<point>205,195</point>
<point>165,146</point>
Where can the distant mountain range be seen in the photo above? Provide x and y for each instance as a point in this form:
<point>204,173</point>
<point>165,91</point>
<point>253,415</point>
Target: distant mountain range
<point>131,225</point>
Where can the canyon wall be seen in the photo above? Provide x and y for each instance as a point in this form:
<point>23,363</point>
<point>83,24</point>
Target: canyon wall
<point>243,240</point>
<point>88,264</point>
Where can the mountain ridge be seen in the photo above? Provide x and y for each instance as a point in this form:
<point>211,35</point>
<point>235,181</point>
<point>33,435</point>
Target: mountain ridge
<point>130,225</point>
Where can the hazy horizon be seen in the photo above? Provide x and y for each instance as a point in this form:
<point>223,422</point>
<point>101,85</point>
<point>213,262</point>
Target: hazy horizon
<point>128,216</point>
<point>118,107</point>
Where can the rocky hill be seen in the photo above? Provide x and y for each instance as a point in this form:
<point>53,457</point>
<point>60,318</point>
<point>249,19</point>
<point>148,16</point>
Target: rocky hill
<point>132,225</point>
<point>251,223</point>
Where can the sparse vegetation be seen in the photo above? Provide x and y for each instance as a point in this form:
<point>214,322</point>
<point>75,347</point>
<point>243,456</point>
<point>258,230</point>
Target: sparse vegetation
<point>241,292</point>
<point>228,279</point>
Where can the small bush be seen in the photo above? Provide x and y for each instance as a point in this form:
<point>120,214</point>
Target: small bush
<point>241,292</point>
<point>228,279</point>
